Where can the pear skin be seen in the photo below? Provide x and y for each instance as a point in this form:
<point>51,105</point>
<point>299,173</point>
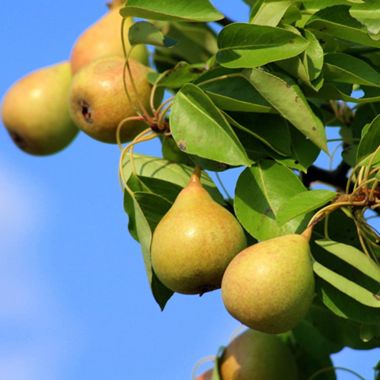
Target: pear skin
<point>35,111</point>
<point>206,375</point>
<point>194,242</point>
<point>269,286</point>
<point>103,39</point>
<point>98,102</point>
<point>257,356</point>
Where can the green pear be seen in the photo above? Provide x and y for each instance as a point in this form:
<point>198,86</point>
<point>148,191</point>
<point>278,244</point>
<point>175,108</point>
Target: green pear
<point>35,111</point>
<point>103,39</point>
<point>194,242</point>
<point>269,286</point>
<point>254,355</point>
<point>98,102</point>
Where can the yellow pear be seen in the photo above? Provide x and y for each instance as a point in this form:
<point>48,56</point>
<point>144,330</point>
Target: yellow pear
<point>194,242</point>
<point>98,102</point>
<point>35,110</point>
<point>254,355</point>
<point>103,39</point>
<point>269,286</point>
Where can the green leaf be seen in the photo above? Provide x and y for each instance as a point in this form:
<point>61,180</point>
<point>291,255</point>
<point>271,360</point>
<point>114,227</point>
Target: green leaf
<point>144,32</point>
<point>260,192</point>
<point>303,150</point>
<point>271,130</point>
<point>345,68</point>
<point>340,332</point>
<point>174,10</point>
<point>345,306</point>
<point>337,21</point>
<point>313,56</point>
<point>347,287</point>
<point>178,174</point>
<point>270,13</point>
<point>348,281</point>
<point>303,203</point>
<point>179,75</point>
<point>371,95</point>
<point>195,42</point>
<point>144,236</point>
<point>368,13</point>
<point>247,46</point>
<point>287,98</point>
<point>353,257</point>
<point>307,67</point>
<point>235,94</point>
<point>200,128</point>
<point>311,357</point>
<point>370,140</point>
<point>216,372</point>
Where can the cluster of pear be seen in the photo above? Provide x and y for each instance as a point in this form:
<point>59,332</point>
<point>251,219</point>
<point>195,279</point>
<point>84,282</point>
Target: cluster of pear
<point>254,355</point>
<point>199,246</point>
<point>43,111</point>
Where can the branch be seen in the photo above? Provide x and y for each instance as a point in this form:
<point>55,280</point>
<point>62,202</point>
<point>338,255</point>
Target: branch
<point>225,21</point>
<point>336,178</point>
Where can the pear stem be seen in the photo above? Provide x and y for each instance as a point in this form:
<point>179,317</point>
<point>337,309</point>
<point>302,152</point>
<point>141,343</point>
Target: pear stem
<point>308,232</point>
<point>196,176</point>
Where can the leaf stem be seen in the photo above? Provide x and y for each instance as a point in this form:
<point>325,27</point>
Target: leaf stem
<point>328,369</point>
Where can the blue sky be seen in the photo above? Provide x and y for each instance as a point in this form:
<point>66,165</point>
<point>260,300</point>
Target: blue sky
<point>74,300</point>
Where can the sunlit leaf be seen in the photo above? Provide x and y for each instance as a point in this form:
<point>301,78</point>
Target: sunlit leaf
<point>175,10</point>
<point>200,128</point>
<point>247,46</point>
<point>260,192</point>
<point>287,98</point>
<point>303,203</point>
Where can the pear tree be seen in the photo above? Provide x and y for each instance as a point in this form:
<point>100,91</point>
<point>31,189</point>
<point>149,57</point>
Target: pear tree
<point>295,250</point>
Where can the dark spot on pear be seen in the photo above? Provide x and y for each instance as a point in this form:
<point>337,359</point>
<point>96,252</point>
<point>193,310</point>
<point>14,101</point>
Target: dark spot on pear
<point>86,111</point>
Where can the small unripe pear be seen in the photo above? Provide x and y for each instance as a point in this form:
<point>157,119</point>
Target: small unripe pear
<point>35,110</point>
<point>103,39</point>
<point>98,102</point>
<point>257,356</point>
<point>194,242</point>
<point>269,286</point>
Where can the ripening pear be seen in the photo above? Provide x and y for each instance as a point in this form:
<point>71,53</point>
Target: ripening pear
<point>103,39</point>
<point>98,102</point>
<point>254,355</point>
<point>194,242</point>
<point>35,110</point>
<point>269,286</point>
<point>206,375</point>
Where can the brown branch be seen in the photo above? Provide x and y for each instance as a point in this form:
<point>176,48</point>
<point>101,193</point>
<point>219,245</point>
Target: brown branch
<point>336,178</point>
<point>225,21</point>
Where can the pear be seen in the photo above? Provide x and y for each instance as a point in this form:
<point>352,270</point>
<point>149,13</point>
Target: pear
<point>269,286</point>
<point>254,355</point>
<point>194,242</point>
<point>35,110</point>
<point>98,102</point>
<point>205,376</point>
<point>103,39</point>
